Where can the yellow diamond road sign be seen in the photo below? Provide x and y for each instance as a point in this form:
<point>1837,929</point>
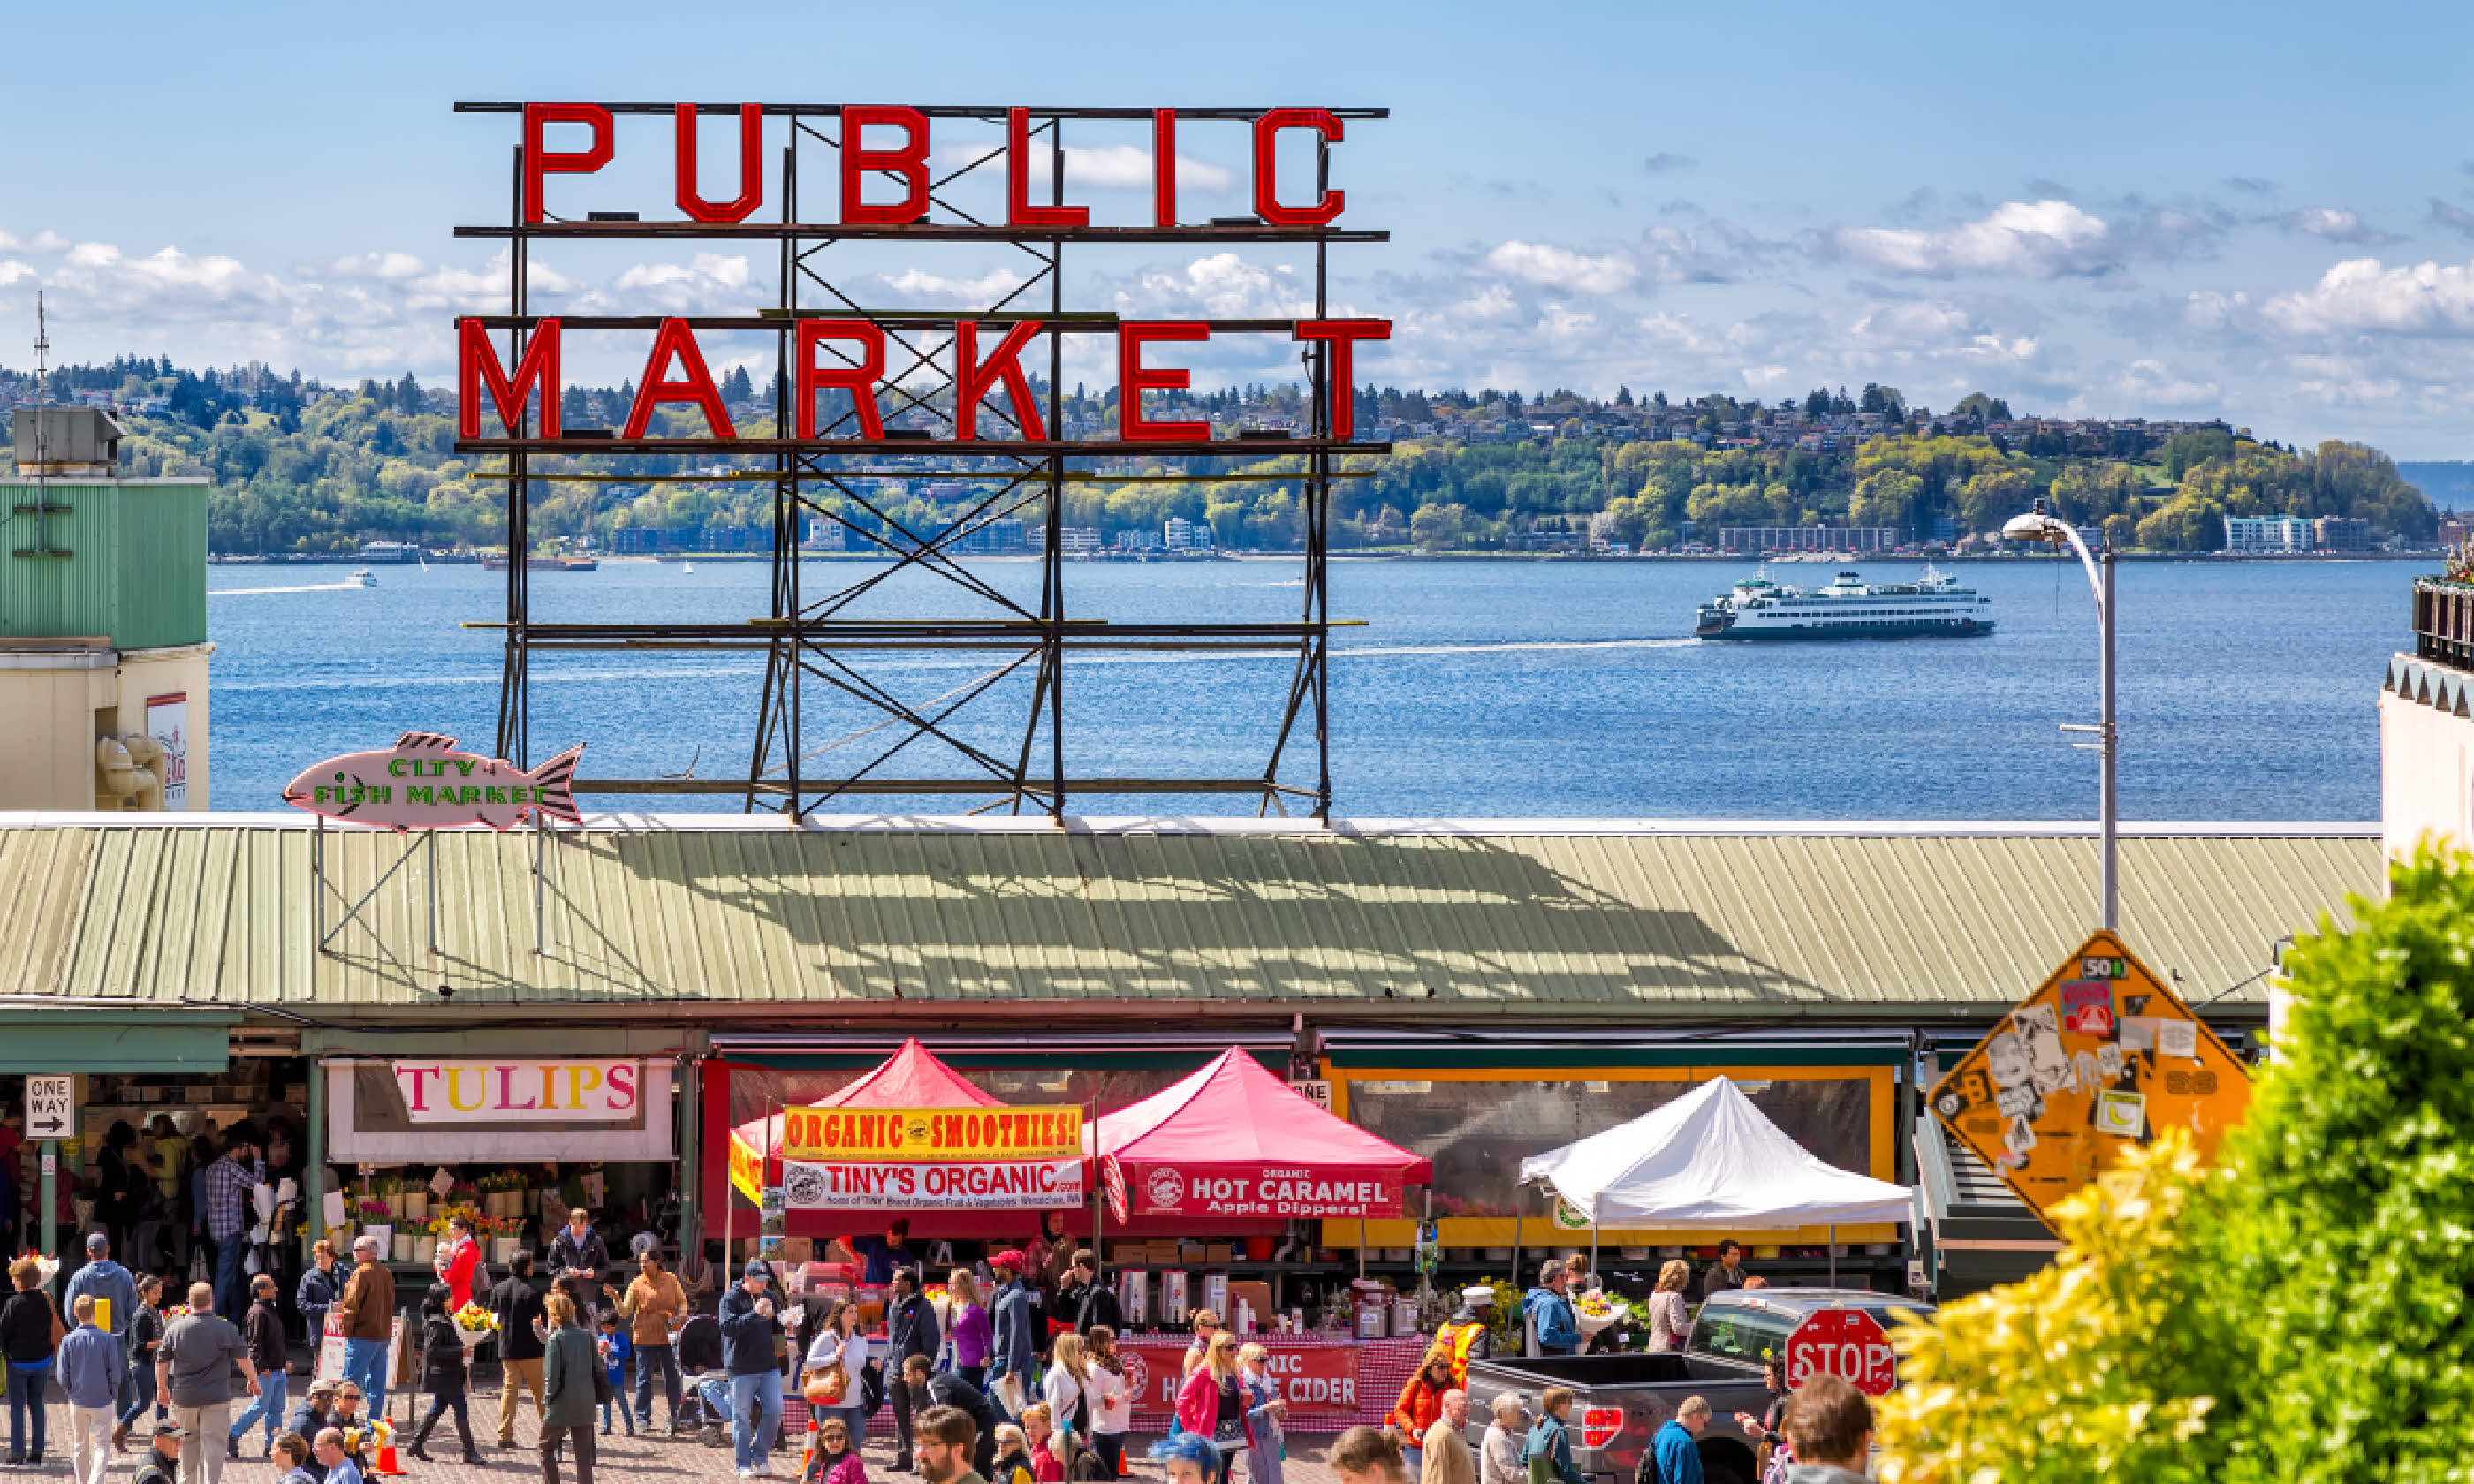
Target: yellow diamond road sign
<point>2101,1056</point>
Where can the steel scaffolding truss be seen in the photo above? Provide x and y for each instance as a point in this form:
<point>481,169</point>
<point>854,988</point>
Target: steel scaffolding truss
<point>812,641</point>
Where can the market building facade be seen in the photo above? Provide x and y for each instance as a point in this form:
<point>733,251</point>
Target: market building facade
<point>586,1015</point>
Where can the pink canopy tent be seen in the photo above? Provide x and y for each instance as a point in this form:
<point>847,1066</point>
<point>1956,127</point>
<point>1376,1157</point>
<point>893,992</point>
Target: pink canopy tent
<point>1234,1141</point>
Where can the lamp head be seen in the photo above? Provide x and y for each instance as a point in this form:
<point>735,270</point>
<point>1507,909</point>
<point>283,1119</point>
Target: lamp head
<point>2034,527</point>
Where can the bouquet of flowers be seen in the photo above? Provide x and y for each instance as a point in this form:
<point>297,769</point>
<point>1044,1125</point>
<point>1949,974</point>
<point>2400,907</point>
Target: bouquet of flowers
<point>376,1211</point>
<point>1594,1310</point>
<point>176,1311</point>
<point>50,1267</point>
<point>473,1323</point>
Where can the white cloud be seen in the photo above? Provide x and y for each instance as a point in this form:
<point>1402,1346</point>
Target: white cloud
<point>46,240</point>
<point>376,265</point>
<point>921,287</point>
<point>1561,268</point>
<point>2040,239</point>
<point>1128,167</point>
<point>2361,295</point>
<point>1220,286</point>
<point>2153,383</point>
<point>2335,224</point>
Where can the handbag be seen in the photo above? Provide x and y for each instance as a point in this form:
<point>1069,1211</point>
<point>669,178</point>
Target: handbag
<point>827,1385</point>
<point>871,1390</point>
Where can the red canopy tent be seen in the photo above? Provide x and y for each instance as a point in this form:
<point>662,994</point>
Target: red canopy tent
<point>1233,1142</point>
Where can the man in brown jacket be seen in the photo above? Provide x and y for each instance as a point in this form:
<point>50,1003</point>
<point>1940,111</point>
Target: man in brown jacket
<point>367,1310</point>
<point>651,1303</point>
<point>1446,1451</point>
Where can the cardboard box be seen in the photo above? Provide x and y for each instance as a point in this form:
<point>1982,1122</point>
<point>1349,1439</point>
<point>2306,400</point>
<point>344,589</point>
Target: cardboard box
<point>1189,1252</point>
<point>798,1248</point>
<point>1219,1252</point>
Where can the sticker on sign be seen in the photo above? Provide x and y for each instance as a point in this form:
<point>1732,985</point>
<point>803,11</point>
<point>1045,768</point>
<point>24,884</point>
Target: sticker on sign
<point>51,1108</point>
<point>1846,1343</point>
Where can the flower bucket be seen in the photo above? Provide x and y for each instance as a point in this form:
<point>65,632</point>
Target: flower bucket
<point>385,1235</point>
<point>416,1206</point>
<point>403,1247</point>
<point>502,1251</point>
<point>423,1248</point>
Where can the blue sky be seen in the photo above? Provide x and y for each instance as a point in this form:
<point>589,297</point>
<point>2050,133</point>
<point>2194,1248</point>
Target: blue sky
<point>2264,212</point>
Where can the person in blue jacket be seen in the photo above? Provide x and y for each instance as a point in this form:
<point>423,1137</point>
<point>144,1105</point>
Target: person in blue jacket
<point>1550,1314</point>
<point>1676,1446</point>
<point>1547,1451</point>
<point>751,1323</point>
<point>1015,1348</point>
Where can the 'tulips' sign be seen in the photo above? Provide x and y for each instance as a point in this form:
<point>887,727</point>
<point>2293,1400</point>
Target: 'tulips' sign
<point>1221,1190</point>
<point>512,1091</point>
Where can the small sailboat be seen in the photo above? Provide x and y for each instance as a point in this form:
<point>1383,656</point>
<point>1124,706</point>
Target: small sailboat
<point>687,568</point>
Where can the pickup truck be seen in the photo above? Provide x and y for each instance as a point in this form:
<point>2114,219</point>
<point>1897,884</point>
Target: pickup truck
<point>1620,1401</point>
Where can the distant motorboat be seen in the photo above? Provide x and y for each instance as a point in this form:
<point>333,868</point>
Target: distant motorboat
<point>364,578</point>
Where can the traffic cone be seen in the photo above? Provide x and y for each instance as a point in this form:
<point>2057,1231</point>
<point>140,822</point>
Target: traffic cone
<point>387,1467</point>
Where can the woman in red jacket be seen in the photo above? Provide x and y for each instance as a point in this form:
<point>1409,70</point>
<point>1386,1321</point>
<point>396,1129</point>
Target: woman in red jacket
<point>1213,1401</point>
<point>459,1255</point>
<point>1421,1404</point>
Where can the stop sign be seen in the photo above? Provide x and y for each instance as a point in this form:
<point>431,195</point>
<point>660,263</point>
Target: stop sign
<point>1846,1343</point>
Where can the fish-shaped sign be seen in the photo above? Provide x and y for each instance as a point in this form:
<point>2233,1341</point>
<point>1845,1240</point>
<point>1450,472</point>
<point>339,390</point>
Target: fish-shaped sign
<point>422,782</point>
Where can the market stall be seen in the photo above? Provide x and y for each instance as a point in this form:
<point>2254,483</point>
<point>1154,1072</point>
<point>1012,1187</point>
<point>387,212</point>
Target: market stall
<point>1708,1161</point>
<point>1201,1181</point>
<point>512,1143</point>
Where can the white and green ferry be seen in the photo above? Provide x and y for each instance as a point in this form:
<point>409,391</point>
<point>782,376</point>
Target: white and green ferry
<point>1932,607</point>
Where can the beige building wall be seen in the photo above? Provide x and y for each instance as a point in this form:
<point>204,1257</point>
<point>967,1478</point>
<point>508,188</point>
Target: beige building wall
<point>58,698</point>
<point>2425,784</point>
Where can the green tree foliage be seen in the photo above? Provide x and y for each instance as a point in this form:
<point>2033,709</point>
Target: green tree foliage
<point>2301,1314</point>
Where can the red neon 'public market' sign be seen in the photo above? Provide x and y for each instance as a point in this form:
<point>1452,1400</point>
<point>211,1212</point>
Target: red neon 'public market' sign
<point>890,141</point>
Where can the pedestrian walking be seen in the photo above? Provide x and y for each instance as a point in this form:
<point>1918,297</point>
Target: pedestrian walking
<point>1676,1446</point>
<point>570,1367</point>
<point>1097,1304</point>
<point>524,1321</point>
<point>577,1258</point>
<point>1367,1455</point>
<point>1114,1410</point>
<point>262,1330</point>
<point>224,1195</point>
<point>1068,1391</point>
<point>1185,1458</point>
<point>162,1464</point>
<point>1669,1321</point>
<point>749,1328</point>
<point>113,1287</point>
<point>1444,1449</point>
<point>1466,1334</point>
<point>28,1321</point>
<point>1212,1403</point>
<point>298,1461</point>
<point>314,1412</point>
<point>947,1392</point>
<point>367,1313</point>
<point>1421,1401</point>
<point>1829,1426</point>
<point>341,1467</point>
<point>458,1258</point>
<point>1498,1453</point>
<point>613,1352</point>
<point>1764,1429</point>
<point>141,1400</point>
<point>948,1442</point>
<point>193,1370</point>
<point>1547,1454</point>
<point>445,1364</point>
<point>840,1345</point>
<point>911,1329</point>
<point>92,1377</point>
<point>836,1461</point>
<point>1204,1324</point>
<point>651,1303</point>
<point>1553,1329</point>
<point>972,1334</point>
<point>1264,1408</point>
<point>1016,1347</point>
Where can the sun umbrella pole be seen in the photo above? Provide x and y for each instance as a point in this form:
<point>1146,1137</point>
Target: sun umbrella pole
<point>1361,1246</point>
<point>1833,1255</point>
<point>1593,1237</point>
<point>1517,1200</point>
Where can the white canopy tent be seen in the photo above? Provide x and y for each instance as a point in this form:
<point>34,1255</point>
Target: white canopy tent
<point>1710,1159</point>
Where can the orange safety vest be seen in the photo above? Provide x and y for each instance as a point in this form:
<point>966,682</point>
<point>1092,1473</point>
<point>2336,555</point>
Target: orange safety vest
<point>1463,1339</point>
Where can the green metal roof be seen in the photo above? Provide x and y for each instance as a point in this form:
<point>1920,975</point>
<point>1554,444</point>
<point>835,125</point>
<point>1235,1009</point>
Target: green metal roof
<point>740,918</point>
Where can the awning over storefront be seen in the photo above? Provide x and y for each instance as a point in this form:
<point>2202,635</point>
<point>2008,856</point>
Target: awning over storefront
<point>1234,1140</point>
<point>61,1038</point>
<point>1710,1159</point>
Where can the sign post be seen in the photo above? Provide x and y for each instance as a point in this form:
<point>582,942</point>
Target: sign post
<point>2101,1055</point>
<point>51,1120</point>
<point>1846,1343</point>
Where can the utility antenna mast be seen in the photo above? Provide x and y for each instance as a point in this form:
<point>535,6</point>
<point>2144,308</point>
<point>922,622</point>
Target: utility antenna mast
<point>42,430</point>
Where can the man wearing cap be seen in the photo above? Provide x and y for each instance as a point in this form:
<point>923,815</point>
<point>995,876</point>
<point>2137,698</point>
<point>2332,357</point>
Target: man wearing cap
<point>1466,1337</point>
<point>162,1461</point>
<point>1015,1348</point>
<point>111,1285</point>
<point>748,1330</point>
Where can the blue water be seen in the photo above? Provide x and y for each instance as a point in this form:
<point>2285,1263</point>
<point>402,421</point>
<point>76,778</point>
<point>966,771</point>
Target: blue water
<point>1475,688</point>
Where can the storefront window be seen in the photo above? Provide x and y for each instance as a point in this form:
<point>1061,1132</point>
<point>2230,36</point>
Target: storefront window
<point>1477,1132</point>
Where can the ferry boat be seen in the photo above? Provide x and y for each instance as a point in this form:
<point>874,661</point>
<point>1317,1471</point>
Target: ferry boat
<point>1932,607</point>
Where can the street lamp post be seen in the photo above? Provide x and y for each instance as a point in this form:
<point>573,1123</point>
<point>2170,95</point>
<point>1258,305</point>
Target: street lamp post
<point>2038,526</point>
